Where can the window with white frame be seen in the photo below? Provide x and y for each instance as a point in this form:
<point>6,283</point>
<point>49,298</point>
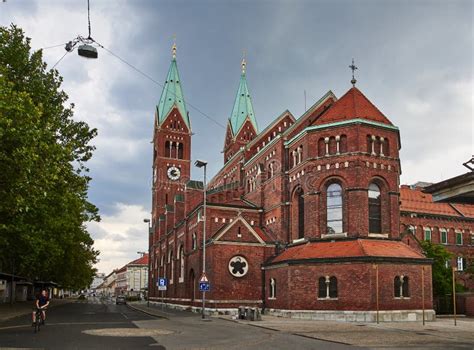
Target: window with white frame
<point>458,238</point>
<point>443,236</point>
<point>460,263</point>
<point>427,231</point>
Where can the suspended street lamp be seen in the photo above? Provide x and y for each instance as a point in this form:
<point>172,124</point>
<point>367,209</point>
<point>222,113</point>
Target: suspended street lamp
<point>86,48</point>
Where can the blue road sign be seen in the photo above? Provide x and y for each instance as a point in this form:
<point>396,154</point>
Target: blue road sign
<point>204,286</point>
<point>162,283</point>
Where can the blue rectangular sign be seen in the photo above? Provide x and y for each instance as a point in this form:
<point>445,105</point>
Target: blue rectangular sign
<point>204,286</point>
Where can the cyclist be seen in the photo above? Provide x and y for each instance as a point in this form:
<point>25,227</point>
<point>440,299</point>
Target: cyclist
<point>42,302</point>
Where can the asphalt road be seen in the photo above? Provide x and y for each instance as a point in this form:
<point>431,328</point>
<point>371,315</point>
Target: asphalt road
<point>103,325</point>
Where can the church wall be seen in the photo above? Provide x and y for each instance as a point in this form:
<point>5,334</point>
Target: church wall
<point>356,287</point>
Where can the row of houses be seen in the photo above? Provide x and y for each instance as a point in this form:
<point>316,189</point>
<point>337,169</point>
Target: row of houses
<point>130,280</point>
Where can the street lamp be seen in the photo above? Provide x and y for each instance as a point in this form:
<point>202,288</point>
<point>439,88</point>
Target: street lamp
<point>140,271</point>
<point>203,164</point>
<point>147,221</point>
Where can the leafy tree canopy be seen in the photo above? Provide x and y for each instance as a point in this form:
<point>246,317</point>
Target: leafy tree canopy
<point>43,174</point>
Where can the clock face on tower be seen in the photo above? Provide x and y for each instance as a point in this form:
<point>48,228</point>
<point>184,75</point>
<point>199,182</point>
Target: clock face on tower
<point>173,173</point>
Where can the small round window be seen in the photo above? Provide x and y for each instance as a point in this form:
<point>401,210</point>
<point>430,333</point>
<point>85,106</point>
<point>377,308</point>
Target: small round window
<point>238,266</point>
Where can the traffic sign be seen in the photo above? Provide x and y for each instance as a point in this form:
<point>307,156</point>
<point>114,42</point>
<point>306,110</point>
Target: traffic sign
<point>204,286</point>
<point>203,278</point>
<point>162,283</point>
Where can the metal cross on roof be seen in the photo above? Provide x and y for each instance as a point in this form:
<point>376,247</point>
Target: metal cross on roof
<point>353,67</point>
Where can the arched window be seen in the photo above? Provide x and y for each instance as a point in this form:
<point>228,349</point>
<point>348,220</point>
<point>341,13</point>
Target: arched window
<point>375,215</point>
<point>405,287</point>
<point>171,265</point>
<point>401,287</point>
<point>332,145</point>
<point>334,209</point>
<point>327,287</point>
<point>321,147</point>
<point>194,241</point>
<point>397,284</point>
<point>333,287</point>
<point>181,264</point>
<point>168,149</point>
<point>272,288</point>
<point>322,287</point>
<point>297,226</point>
<point>343,144</point>
<point>180,151</point>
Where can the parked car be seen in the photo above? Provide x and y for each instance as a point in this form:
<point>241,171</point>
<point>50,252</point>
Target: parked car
<point>120,300</point>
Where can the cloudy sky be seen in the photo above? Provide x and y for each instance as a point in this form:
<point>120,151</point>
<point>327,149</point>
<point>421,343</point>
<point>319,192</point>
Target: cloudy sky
<point>415,63</point>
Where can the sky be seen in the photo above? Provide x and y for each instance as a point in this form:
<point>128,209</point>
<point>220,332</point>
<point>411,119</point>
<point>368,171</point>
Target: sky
<point>414,58</point>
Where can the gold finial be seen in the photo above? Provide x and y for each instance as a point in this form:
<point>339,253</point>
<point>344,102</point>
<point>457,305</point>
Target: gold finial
<point>244,63</point>
<point>173,50</point>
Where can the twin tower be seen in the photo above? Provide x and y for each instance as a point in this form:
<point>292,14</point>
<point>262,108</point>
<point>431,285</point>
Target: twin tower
<point>172,136</point>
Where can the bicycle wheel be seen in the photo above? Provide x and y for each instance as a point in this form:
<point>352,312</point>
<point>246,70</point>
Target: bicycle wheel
<point>37,322</point>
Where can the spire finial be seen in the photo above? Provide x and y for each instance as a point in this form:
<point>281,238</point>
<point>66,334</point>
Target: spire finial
<point>353,67</point>
<point>244,63</point>
<point>173,49</point>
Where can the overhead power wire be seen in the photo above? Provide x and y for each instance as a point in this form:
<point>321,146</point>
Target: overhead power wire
<point>157,83</point>
<point>51,47</point>
<point>60,59</point>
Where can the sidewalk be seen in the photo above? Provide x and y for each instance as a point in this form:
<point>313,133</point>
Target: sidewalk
<point>19,308</point>
<point>441,334</point>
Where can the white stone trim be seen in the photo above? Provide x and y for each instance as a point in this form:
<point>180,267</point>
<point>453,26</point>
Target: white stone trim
<point>355,316</point>
<point>378,235</point>
<point>246,224</point>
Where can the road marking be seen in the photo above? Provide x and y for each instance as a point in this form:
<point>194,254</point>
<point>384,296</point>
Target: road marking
<point>62,324</point>
<point>124,315</point>
<point>127,332</point>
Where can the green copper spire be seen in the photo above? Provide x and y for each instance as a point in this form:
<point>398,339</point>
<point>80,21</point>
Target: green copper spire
<point>243,105</point>
<point>172,94</point>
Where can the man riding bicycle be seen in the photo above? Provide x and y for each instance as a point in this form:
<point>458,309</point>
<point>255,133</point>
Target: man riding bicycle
<point>42,302</point>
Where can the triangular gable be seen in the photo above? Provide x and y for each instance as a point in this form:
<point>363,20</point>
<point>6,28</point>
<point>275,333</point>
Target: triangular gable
<point>352,105</point>
<point>174,111</point>
<point>220,234</point>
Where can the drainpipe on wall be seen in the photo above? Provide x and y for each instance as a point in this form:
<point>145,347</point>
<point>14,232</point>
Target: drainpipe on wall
<point>264,305</point>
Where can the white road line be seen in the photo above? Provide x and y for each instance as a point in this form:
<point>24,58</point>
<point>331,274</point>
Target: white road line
<point>63,324</point>
<point>124,315</point>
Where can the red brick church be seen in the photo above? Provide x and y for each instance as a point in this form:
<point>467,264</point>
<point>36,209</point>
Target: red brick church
<point>303,218</point>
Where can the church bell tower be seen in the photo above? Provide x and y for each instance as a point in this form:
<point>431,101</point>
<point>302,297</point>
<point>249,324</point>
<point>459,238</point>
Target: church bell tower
<point>171,143</point>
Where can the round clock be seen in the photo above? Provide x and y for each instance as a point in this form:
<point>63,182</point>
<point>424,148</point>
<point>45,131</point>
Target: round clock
<point>173,173</point>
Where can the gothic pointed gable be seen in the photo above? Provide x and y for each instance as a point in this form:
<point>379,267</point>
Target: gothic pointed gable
<point>172,95</point>
<point>243,107</point>
<point>352,105</point>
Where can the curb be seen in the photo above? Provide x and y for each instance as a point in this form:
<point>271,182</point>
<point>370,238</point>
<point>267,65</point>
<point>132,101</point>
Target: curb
<point>146,312</point>
<point>28,312</point>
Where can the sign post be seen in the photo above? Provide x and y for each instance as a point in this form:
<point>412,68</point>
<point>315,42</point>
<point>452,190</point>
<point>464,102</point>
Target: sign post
<point>204,286</point>
<point>162,286</point>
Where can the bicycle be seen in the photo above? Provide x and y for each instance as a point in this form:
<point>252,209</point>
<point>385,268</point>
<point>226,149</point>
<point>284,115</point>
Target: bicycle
<point>39,319</point>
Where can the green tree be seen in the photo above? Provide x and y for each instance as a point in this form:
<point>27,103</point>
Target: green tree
<point>43,173</point>
<point>442,278</point>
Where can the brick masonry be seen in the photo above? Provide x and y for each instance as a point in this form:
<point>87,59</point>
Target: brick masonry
<point>252,213</point>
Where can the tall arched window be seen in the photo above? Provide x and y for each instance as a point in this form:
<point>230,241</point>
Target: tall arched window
<point>298,214</point>
<point>333,287</point>
<point>171,265</point>
<point>194,241</point>
<point>167,149</point>
<point>181,264</point>
<point>334,209</point>
<point>322,293</point>
<point>180,151</point>
<point>375,210</point>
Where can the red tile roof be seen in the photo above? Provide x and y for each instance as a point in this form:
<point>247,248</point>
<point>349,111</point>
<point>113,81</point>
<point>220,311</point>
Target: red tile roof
<point>465,209</point>
<point>140,261</point>
<point>414,200</point>
<point>353,104</point>
<point>349,249</point>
